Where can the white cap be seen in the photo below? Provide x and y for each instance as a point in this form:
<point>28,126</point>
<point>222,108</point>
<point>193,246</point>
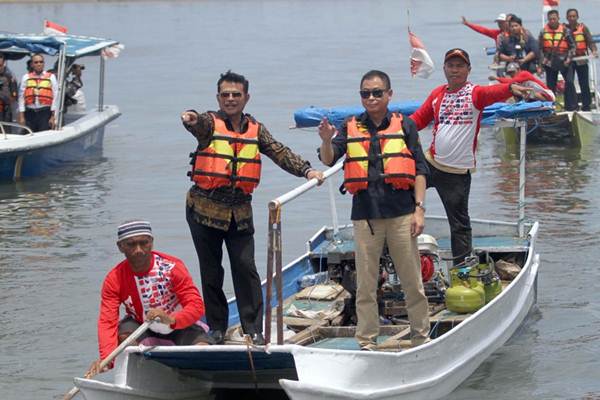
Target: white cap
<point>501,17</point>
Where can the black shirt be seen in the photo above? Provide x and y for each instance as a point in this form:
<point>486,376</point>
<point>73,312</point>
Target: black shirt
<point>381,200</point>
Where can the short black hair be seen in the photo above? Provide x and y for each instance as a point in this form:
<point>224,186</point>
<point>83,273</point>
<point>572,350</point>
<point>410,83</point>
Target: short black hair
<point>517,20</point>
<point>377,74</point>
<point>235,78</point>
<point>553,12</point>
<point>572,9</point>
<point>2,55</point>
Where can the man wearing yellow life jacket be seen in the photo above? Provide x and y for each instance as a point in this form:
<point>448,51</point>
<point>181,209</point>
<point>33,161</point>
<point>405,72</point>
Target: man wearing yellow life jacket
<point>38,97</point>
<point>558,50</point>
<point>385,171</point>
<point>226,169</point>
<point>583,42</point>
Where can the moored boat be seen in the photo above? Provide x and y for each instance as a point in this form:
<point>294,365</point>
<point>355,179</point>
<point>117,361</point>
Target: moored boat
<point>77,135</point>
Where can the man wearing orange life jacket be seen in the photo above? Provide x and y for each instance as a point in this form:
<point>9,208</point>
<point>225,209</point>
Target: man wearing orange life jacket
<point>38,97</point>
<point>385,171</point>
<point>226,169</point>
<point>558,50</point>
<point>583,41</point>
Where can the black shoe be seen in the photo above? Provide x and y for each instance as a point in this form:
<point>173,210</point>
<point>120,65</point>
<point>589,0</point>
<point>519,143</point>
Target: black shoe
<point>216,336</point>
<point>257,339</point>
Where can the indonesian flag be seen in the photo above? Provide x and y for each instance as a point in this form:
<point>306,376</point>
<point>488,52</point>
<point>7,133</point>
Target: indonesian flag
<point>52,28</point>
<point>112,51</point>
<point>550,5</point>
<point>421,64</point>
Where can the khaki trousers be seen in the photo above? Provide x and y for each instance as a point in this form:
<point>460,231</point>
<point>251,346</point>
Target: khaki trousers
<point>405,255</point>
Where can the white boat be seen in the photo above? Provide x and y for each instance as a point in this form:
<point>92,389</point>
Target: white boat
<point>78,135</point>
<point>308,367</point>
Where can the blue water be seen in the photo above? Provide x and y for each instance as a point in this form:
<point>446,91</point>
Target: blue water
<point>57,233</point>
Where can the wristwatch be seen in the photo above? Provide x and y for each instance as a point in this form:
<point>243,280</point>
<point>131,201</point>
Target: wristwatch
<point>421,205</point>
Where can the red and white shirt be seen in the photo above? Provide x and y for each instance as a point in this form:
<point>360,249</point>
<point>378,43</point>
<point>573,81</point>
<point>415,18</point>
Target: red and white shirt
<point>527,79</point>
<point>456,116</point>
<point>167,285</point>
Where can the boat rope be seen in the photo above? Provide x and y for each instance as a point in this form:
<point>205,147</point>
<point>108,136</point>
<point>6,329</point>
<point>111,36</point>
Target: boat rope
<point>249,346</point>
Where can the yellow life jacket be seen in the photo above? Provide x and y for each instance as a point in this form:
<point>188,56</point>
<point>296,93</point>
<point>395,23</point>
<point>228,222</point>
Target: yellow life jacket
<point>399,168</point>
<point>555,40</point>
<point>231,159</point>
<point>580,42</point>
<point>40,88</point>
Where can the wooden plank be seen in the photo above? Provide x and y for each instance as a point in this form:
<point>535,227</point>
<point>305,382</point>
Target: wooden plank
<point>393,342</point>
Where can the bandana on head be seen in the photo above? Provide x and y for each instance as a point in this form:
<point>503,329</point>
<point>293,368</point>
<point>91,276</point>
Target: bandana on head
<point>133,228</point>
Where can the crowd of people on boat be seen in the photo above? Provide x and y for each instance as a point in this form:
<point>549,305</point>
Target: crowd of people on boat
<point>33,101</point>
<point>559,49</point>
<point>386,172</point>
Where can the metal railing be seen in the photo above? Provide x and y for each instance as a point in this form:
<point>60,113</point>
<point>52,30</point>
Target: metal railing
<point>15,125</point>
<point>274,249</point>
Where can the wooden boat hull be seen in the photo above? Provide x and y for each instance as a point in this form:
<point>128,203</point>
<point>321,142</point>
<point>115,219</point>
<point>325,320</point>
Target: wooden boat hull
<point>23,156</point>
<point>429,371</point>
<point>576,129</point>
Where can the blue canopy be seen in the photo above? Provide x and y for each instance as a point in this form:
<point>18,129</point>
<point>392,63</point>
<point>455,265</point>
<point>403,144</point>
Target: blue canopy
<point>18,45</point>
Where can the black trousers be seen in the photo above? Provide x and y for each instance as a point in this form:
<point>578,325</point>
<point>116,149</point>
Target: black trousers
<point>568,74</point>
<point>583,73</point>
<point>246,282</point>
<point>454,192</point>
<point>39,119</point>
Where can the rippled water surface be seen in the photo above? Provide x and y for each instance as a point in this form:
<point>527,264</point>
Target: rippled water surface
<point>57,233</point>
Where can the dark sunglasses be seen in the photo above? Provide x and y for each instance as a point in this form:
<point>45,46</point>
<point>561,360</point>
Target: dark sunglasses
<point>225,95</point>
<point>377,93</point>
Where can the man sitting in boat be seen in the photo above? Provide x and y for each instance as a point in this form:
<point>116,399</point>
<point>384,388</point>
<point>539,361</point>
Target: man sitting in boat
<point>583,43</point>
<point>455,109</point>
<point>151,285</point>
<point>74,96</point>
<point>8,90</point>
<point>519,46</point>
<point>37,97</point>
<point>558,50</point>
<point>539,90</point>
<point>387,180</point>
<point>226,170</point>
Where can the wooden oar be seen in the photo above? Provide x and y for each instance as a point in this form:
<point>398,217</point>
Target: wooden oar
<point>130,339</point>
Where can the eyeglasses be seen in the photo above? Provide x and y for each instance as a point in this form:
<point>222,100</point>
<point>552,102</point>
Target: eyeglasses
<point>226,95</point>
<point>377,93</point>
<point>37,62</point>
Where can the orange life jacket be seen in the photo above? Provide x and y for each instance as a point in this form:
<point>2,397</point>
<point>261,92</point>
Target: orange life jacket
<point>399,168</point>
<point>554,40</point>
<point>580,42</point>
<point>39,87</point>
<point>231,159</point>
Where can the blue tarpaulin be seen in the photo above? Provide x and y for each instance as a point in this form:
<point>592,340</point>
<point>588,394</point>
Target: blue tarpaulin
<point>311,116</point>
<point>76,46</point>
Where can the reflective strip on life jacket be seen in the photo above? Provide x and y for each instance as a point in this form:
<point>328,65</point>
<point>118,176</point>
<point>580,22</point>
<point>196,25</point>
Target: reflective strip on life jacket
<point>40,88</point>
<point>231,158</point>
<point>555,40</point>
<point>399,168</point>
<point>580,42</point>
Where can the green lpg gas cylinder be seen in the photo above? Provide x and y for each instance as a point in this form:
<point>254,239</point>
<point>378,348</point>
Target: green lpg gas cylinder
<point>466,294</point>
<point>492,286</point>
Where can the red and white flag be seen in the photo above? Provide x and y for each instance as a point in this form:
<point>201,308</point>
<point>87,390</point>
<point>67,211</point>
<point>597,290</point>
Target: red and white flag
<point>52,28</point>
<point>421,64</point>
<point>550,5</point>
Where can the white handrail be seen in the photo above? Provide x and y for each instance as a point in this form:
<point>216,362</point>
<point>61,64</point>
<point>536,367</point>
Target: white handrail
<point>292,194</point>
<point>2,123</point>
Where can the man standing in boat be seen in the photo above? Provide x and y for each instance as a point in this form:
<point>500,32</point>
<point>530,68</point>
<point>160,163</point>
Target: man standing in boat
<point>38,97</point>
<point>226,170</point>
<point>8,91</point>
<point>558,50</point>
<point>582,37</point>
<point>385,171</point>
<point>455,109</point>
<point>151,285</point>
